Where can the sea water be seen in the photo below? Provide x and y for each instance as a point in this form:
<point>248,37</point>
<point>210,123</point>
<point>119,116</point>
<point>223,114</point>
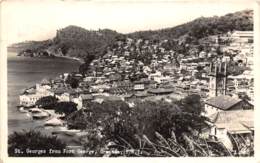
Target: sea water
<point>24,72</point>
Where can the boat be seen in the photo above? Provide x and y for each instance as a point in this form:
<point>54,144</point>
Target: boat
<point>35,110</point>
<point>53,122</point>
<point>40,115</point>
<point>21,109</point>
<point>71,132</point>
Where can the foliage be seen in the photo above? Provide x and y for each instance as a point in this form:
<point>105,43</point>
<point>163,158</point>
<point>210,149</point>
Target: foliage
<point>235,69</point>
<point>202,27</point>
<point>191,104</point>
<point>79,42</point>
<point>65,107</point>
<point>47,102</point>
<point>34,140</point>
<point>84,67</point>
<point>116,121</point>
<point>72,81</point>
<point>86,41</point>
<point>30,46</point>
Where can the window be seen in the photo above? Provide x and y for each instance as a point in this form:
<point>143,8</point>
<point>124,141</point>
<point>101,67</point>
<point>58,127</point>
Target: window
<point>250,41</point>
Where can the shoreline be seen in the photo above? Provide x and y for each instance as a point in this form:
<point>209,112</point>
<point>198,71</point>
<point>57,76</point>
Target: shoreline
<point>80,60</point>
<point>71,58</point>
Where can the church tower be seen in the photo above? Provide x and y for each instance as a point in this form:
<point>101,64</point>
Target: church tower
<point>217,79</point>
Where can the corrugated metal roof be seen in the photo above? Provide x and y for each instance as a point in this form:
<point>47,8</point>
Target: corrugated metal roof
<point>223,102</point>
<point>235,121</point>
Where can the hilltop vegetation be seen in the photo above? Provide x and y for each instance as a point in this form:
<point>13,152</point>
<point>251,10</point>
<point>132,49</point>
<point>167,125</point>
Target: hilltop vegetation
<point>30,45</point>
<point>78,42</point>
<point>202,27</point>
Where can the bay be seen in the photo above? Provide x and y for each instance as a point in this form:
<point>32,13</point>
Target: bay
<point>24,72</point>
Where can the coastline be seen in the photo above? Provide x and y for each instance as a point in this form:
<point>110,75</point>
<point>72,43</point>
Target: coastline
<point>28,72</point>
<point>72,58</point>
<point>56,56</point>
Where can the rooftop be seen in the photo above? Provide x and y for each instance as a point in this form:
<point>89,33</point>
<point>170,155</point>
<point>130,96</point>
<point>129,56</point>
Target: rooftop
<point>87,97</point>
<point>237,121</point>
<point>223,102</point>
<point>160,90</point>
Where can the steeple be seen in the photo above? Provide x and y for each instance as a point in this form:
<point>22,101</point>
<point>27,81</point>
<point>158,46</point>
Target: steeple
<point>217,79</point>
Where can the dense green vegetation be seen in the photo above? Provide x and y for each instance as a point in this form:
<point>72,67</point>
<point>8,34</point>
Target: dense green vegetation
<point>47,102</point>
<point>34,144</point>
<point>51,102</point>
<point>202,27</point>
<point>79,42</point>
<point>152,128</point>
<point>65,108</point>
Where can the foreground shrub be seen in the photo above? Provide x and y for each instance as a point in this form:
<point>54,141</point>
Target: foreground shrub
<point>34,144</point>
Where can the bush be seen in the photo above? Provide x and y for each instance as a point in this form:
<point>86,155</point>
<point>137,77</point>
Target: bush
<point>22,144</point>
<point>47,102</point>
<point>117,122</point>
<point>65,107</point>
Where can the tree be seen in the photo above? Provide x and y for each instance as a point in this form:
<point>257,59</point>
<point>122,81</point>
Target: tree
<point>20,142</point>
<point>72,81</point>
<point>66,108</point>
<point>47,102</point>
<point>83,68</point>
<point>191,104</point>
<point>156,128</point>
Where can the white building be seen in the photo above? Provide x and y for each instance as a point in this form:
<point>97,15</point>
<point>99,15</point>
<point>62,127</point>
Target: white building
<point>28,100</point>
<point>235,124</point>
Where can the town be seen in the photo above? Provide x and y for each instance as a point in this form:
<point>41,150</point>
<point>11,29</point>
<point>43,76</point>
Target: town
<point>220,71</point>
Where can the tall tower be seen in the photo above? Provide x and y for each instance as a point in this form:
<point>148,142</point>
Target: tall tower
<point>217,79</point>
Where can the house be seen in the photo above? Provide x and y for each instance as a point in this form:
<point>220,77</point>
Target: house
<point>242,37</point>
<point>64,97</point>
<point>42,88</point>
<point>78,101</point>
<point>225,103</point>
<point>45,82</point>
<point>139,86</point>
<point>141,95</point>
<point>28,100</point>
<point>99,88</point>
<point>126,85</point>
<point>230,126</point>
<point>160,91</point>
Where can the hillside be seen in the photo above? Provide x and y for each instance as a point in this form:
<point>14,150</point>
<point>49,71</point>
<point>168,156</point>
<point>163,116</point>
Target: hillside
<point>202,27</point>
<point>32,45</point>
<point>78,42</point>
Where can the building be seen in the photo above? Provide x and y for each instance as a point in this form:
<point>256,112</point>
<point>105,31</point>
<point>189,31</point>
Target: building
<point>225,103</point>
<point>86,99</point>
<point>29,100</point>
<point>160,91</point>
<point>126,85</point>
<point>234,127</point>
<point>242,37</point>
<point>217,79</point>
<point>139,86</point>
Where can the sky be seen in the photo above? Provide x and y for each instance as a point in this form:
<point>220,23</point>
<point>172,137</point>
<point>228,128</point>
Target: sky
<point>24,20</point>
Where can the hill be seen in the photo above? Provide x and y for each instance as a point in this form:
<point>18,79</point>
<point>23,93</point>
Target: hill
<point>32,45</point>
<point>202,27</point>
<point>78,42</point>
